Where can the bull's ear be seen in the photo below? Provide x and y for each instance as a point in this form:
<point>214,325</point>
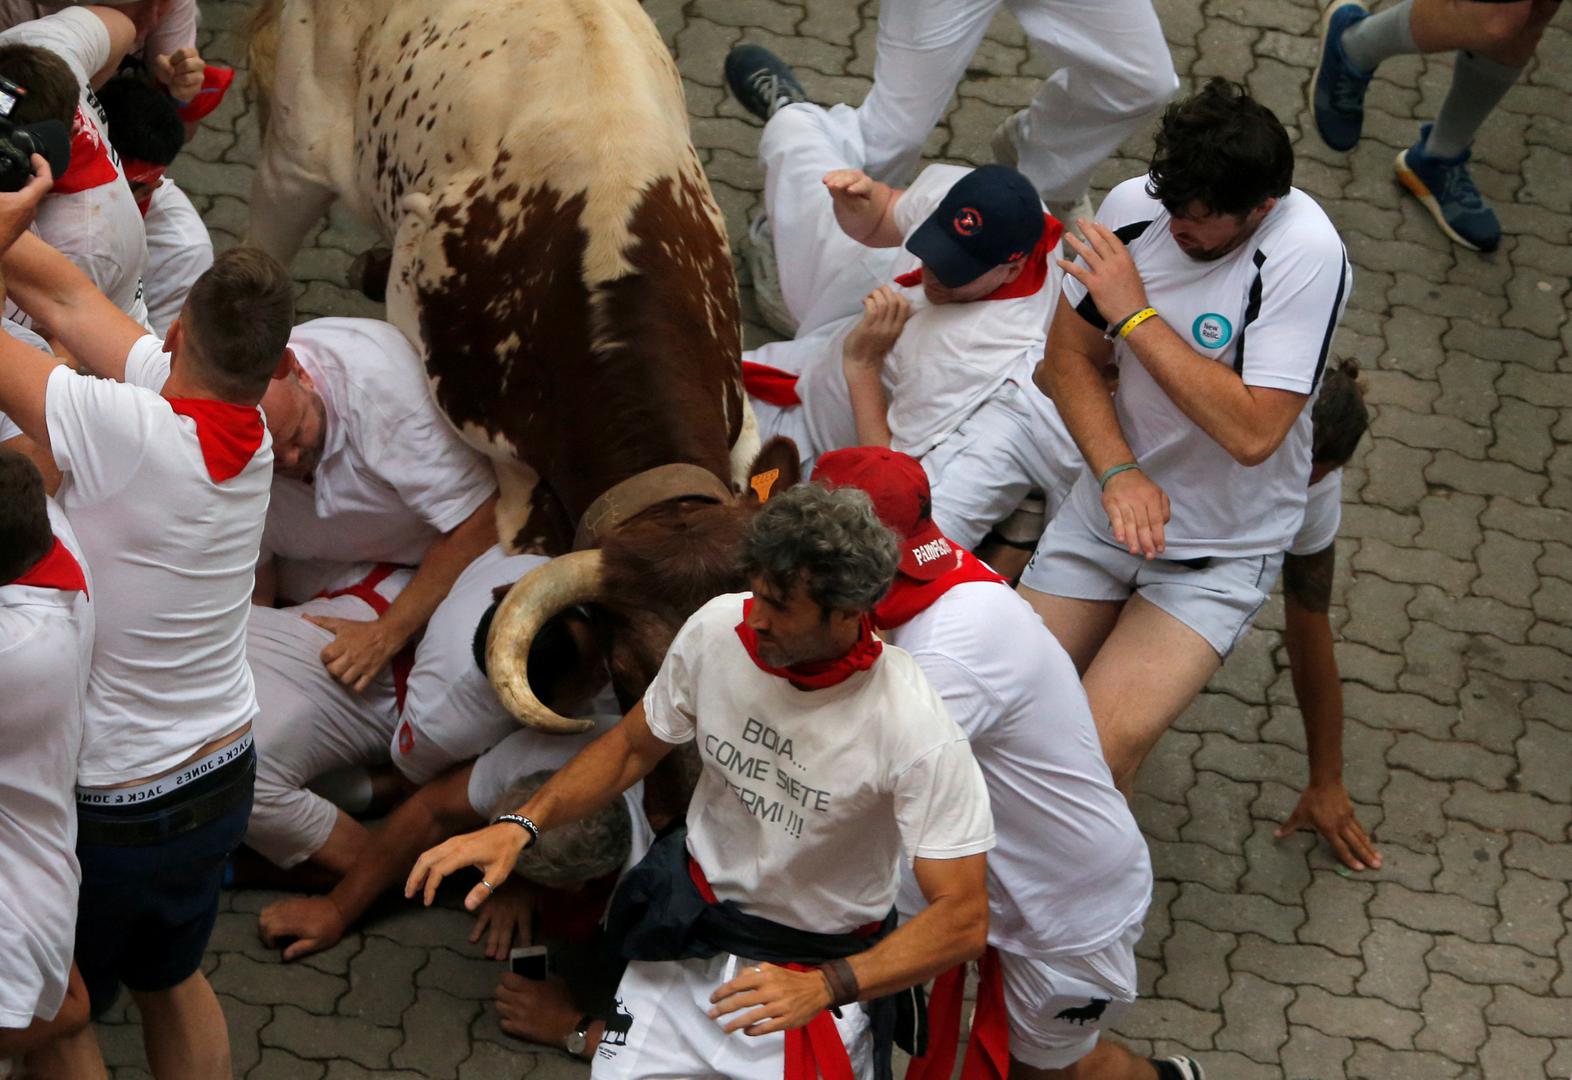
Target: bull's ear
<point>777,468</point>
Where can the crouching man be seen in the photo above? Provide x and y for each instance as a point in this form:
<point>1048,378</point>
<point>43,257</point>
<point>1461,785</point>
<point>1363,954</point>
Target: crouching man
<point>826,758</point>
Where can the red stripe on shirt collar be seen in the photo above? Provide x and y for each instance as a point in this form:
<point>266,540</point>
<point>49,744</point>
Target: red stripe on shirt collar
<point>1030,279</point>
<point>58,569</point>
<point>229,434</point>
<point>91,165</point>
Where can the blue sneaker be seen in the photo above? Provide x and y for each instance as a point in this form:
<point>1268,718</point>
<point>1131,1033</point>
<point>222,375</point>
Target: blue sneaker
<point>761,82</point>
<point>1338,91</point>
<point>1446,189</point>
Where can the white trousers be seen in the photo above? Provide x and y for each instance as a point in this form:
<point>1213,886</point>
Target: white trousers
<point>1112,71</point>
<point>661,1030</point>
<point>1013,443</point>
<point>179,251</point>
<point>309,724</point>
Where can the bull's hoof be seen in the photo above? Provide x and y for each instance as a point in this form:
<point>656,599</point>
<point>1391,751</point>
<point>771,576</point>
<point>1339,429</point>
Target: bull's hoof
<point>368,274</point>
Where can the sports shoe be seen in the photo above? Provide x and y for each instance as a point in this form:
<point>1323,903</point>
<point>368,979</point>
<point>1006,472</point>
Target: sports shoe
<point>1189,1068</point>
<point>758,251</point>
<point>761,82</point>
<point>1337,93</point>
<point>1445,188</point>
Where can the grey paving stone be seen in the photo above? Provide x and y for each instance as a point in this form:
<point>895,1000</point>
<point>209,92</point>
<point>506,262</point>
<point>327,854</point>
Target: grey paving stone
<point>1238,912</point>
<point>1491,711</point>
<point>1454,1015</point>
<point>1299,964</point>
<point>1355,1017</point>
<point>1491,964</point>
<point>1164,1018</point>
<point>271,983</point>
<point>1510,1055</point>
<point>1394,962</point>
<point>1195,965</point>
<point>1471,863</point>
<point>464,976</point>
<point>1219,809</point>
<point>1471,614</point>
<point>1550,860</point>
<point>1196,862</point>
<point>1277,868</point>
<point>1255,1018</point>
<point>1508,810</point>
<point>323,1038</point>
<point>429,1048</point>
<point>1529,916</point>
<point>1312,1055</point>
<point>1335,907</point>
<point>1433,912</point>
<point>277,1064</point>
<point>382,981</point>
<point>1372,1061</point>
<point>1414,814</point>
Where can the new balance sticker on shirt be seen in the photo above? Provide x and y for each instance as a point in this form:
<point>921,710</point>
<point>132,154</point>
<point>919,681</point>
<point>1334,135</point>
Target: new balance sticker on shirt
<point>1212,331</point>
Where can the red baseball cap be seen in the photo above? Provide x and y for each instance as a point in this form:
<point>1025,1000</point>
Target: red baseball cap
<point>899,489</point>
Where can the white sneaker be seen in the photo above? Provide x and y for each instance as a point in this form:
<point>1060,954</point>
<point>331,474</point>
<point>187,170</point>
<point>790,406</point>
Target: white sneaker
<point>758,252</point>
<point>1003,141</point>
<point>1189,1067</point>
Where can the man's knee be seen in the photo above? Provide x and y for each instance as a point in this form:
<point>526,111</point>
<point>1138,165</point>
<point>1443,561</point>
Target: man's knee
<point>1502,28</point>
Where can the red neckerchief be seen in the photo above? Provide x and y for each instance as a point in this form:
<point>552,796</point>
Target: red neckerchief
<point>58,569</point>
<point>229,434</point>
<point>820,673</point>
<point>145,174</point>
<point>988,1048</point>
<point>215,84</point>
<point>770,384</point>
<point>1030,279</point>
<point>909,597</point>
<point>91,165</point>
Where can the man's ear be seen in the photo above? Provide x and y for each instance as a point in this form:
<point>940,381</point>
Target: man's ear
<point>286,365</point>
<point>172,338</point>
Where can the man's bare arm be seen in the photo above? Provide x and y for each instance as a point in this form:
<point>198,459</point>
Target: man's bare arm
<point>24,383</point>
<point>864,208</point>
<point>122,37</point>
<point>51,289</point>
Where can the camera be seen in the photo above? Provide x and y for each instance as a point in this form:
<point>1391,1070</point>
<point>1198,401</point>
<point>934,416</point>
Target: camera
<point>19,142</point>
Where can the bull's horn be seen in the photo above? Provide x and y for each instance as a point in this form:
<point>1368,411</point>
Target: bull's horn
<point>535,598</point>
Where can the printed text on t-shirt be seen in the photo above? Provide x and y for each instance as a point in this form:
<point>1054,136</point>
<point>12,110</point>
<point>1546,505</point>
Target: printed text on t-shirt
<point>760,761</point>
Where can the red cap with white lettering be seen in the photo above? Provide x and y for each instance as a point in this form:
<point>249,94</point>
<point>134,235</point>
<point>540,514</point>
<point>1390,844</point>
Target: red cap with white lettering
<point>899,489</point>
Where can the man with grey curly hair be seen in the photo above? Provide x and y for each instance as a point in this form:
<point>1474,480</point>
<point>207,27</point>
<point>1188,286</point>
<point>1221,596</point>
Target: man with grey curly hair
<point>827,761</point>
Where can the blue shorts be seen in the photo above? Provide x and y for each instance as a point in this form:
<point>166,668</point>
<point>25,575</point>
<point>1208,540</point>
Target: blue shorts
<point>150,882</point>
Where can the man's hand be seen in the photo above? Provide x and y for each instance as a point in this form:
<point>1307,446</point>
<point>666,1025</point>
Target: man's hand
<point>360,649</point>
<point>505,920</point>
<point>884,315</point>
<point>18,208</point>
<point>851,190</point>
<point>182,71</point>
<point>1108,273</point>
<point>314,922</point>
<point>775,999</point>
<point>1329,811</point>
<point>494,851</point>
<point>1137,510</point>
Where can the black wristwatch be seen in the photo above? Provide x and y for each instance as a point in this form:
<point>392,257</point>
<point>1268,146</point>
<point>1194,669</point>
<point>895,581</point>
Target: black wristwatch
<point>576,1042</point>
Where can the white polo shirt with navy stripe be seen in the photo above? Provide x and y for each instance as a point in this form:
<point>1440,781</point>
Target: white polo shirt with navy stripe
<point>1268,310</point>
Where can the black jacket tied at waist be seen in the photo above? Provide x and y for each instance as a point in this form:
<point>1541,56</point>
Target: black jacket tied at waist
<point>658,913</point>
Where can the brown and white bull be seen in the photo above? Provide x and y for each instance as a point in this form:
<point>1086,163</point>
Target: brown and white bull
<point>560,264</point>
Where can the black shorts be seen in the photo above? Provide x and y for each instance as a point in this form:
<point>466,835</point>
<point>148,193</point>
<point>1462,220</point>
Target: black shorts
<point>151,879</point>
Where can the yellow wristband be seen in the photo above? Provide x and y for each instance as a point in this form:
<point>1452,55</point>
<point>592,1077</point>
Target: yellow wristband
<point>1136,320</point>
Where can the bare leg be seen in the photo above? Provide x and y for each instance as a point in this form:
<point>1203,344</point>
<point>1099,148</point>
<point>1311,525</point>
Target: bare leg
<point>1507,33</point>
<point>1080,625</point>
<point>344,844</point>
<point>183,1031</point>
<point>1147,672</point>
<point>285,206</point>
<point>1107,1061</point>
<point>71,1057</point>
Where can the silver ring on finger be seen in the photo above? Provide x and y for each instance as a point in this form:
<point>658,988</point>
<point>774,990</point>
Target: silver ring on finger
<point>490,888</point>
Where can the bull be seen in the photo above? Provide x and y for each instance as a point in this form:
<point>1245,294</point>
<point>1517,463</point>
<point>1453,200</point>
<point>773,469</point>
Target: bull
<point>560,264</point>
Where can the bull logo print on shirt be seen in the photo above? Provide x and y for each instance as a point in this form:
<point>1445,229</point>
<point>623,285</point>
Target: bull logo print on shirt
<point>618,1026</point>
<point>1082,1015</point>
<point>968,222</point>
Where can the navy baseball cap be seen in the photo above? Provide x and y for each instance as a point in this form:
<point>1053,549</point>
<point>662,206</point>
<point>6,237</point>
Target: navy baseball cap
<point>991,216</point>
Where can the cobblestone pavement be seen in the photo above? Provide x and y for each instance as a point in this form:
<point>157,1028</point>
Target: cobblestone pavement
<point>1455,613</point>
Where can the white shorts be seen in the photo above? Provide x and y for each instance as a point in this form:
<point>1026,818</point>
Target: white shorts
<point>1218,599</point>
<point>521,753</point>
<point>661,1029</point>
<point>979,474</point>
<point>308,723</point>
<point>179,251</point>
<point>1059,1007</point>
<point>451,714</point>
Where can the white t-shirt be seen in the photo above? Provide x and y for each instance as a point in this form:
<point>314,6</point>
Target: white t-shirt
<point>1323,516</point>
<point>949,359</point>
<point>1268,310</point>
<point>175,556</point>
<point>99,229</point>
<point>177,29</point>
<point>1071,872</point>
<point>450,703</point>
<point>46,645</point>
<point>394,475</point>
<point>809,802</point>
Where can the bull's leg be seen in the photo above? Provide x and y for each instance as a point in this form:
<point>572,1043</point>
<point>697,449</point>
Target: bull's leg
<point>285,205</point>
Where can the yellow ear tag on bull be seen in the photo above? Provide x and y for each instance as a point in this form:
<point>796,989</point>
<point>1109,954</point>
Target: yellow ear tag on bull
<point>763,482</point>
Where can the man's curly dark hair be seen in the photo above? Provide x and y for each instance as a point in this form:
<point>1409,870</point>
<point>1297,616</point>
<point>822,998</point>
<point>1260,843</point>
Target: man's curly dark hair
<point>1221,149</point>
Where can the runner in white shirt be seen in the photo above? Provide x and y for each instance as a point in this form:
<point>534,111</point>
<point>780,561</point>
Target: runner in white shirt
<point>90,216</point>
<point>1070,879</point>
<point>166,484</point>
<point>827,762</point>
<point>913,308</point>
<point>1219,294</point>
<point>46,647</point>
<point>369,470</point>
